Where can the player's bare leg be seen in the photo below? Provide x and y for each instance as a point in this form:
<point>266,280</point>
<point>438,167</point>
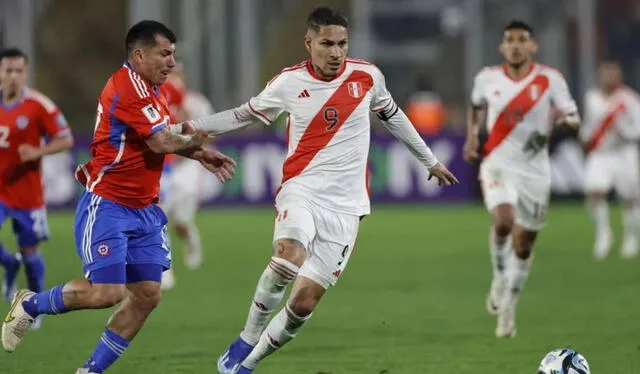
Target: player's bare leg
<point>517,274</point>
<point>631,223</point>
<point>599,211</point>
<point>75,295</point>
<point>190,235</point>
<point>303,300</point>
<point>503,218</point>
<point>282,269</point>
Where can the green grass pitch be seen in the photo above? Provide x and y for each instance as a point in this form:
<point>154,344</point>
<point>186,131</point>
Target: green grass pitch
<point>410,301</point>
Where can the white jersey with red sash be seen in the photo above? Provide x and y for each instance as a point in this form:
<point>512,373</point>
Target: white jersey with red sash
<point>519,116</point>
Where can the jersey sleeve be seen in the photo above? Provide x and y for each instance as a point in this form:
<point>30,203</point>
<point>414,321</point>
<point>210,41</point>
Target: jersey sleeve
<point>268,104</point>
<point>478,95</point>
<point>382,101</point>
<point>560,95</point>
<point>53,121</point>
<point>140,114</point>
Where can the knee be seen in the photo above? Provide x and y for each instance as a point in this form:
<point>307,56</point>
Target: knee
<point>106,296</point>
<point>291,250</point>
<point>148,297</point>
<point>28,250</point>
<point>503,220</point>
<point>523,243</point>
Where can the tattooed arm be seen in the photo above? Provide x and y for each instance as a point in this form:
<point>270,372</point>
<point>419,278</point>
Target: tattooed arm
<point>166,141</point>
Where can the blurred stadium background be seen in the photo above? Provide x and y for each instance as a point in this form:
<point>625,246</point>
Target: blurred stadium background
<point>412,299</point>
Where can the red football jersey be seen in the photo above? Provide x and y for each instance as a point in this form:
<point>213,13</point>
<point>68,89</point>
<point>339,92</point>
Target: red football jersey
<point>28,121</point>
<point>175,93</point>
<point>123,168</point>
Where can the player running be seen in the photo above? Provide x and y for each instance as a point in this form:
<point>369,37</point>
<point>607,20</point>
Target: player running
<point>323,194</point>
<point>179,186</point>
<point>26,118</point>
<point>610,134</point>
<point>516,98</point>
<point>120,231</point>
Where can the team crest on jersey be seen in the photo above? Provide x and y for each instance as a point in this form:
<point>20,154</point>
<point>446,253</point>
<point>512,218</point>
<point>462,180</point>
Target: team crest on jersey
<point>151,113</point>
<point>534,92</point>
<point>104,250</point>
<point>355,89</point>
<point>22,122</point>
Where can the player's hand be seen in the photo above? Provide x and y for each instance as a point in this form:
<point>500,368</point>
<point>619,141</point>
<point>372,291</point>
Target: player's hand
<point>571,121</point>
<point>29,153</point>
<point>221,165</point>
<point>470,149</point>
<point>445,177</point>
<point>188,128</point>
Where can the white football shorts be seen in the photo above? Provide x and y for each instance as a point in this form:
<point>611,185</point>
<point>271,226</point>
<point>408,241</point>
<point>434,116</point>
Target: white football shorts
<point>530,196</point>
<point>328,236</point>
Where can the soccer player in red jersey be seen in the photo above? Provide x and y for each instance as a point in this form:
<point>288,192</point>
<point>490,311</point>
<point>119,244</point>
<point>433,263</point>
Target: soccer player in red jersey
<point>119,229</point>
<point>26,117</point>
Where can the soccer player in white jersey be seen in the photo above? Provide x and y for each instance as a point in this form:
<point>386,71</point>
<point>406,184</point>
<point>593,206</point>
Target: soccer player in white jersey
<point>610,134</point>
<point>323,194</point>
<point>516,99</point>
<point>182,193</point>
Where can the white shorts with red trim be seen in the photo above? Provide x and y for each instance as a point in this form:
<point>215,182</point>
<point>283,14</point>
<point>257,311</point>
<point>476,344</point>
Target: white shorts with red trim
<point>530,196</point>
<point>329,237</point>
<point>613,170</point>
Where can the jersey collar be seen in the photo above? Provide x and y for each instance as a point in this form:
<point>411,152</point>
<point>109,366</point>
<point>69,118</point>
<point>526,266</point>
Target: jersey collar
<point>18,102</point>
<point>127,65</point>
<point>315,75</point>
<point>505,70</point>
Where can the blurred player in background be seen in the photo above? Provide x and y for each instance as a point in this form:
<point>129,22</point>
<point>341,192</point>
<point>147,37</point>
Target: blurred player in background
<point>26,118</point>
<point>516,99</point>
<point>323,194</point>
<point>610,134</point>
<point>119,229</point>
<point>179,186</point>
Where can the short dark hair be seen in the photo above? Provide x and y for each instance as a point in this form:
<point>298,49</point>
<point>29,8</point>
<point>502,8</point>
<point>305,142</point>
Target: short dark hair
<point>519,25</point>
<point>325,16</point>
<point>13,53</point>
<point>144,32</point>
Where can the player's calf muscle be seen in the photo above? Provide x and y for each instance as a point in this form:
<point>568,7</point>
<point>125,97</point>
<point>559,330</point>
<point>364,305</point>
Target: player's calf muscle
<point>81,294</point>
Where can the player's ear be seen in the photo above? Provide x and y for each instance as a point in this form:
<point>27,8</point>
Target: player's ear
<point>307,43</point>
<point>534,46</point>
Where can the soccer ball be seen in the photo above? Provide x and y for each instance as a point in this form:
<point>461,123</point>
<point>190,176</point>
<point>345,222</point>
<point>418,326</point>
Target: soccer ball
<point>564,361</point>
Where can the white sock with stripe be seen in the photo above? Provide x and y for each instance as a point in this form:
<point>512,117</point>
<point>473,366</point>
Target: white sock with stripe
<point>270,291</point>
<point>282,328</point>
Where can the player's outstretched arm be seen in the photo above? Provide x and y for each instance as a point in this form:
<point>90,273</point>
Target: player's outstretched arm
<point>223,122</point>
<point>60,143</point>
<point>399,125</point>
<point>167,141</point>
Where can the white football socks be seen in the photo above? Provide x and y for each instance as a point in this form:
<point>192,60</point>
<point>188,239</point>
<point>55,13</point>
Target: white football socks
<point>270,291</point>
<point>282,328</point>
<point>631,221</point>
<point>500,252</point>
<point>517,274</point>
<point>600,214</point>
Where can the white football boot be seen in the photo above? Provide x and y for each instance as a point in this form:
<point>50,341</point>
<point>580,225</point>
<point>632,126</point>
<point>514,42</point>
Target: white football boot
<point>17,321</point>
<point>506,326</point>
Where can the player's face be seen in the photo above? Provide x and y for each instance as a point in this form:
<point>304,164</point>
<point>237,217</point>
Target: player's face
<point>517,47</point>
<point>155,63</point>
<point>610,75</point>
<point>13,73</point>
<point>328,48</point>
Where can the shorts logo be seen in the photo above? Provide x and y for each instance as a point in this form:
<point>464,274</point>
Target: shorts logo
<point>22,122</point>
<point>104,250</point>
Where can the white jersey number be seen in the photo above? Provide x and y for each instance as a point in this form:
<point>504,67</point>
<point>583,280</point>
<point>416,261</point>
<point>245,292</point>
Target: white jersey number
<point>4,137</point>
